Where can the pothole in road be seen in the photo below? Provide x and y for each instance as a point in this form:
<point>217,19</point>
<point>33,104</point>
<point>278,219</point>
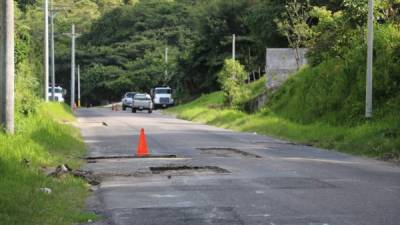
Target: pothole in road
<point>187,170</point>
<point>168,170</point>
<point>113,158</point>
<point>279,143</point>
<point>293,183</point>
<point>93,124</point>
<point>179,215</point>
<point>228,152</point>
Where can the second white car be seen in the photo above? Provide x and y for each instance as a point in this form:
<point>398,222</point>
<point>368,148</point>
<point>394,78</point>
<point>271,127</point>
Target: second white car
<point>142,102</point>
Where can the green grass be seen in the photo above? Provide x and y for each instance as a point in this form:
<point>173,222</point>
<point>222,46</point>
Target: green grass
<point>45,142</point>
<point>372,139</point>
<point>257,87</point>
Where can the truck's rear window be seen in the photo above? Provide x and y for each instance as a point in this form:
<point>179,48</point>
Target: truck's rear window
<point>56,90</point>
<point>141,97</point>
<point>163,91</point>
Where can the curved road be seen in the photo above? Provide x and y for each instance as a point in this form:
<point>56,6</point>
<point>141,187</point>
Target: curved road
<point>228,178</point>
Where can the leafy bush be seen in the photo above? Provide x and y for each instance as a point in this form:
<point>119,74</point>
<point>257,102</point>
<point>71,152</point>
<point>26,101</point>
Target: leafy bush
<point>231,78</point>
<point>28,68</point>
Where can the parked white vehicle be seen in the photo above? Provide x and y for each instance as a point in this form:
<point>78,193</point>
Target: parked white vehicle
<point>127,100</point>
<point>59,93</point>
<point>142,102</point>
<point>162,97</point>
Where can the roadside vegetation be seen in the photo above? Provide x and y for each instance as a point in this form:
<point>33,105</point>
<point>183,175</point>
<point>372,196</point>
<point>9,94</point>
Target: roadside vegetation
<point>372,138</point>
<point>44,139</point>
<point>41,143</point>
<point>323,104</point>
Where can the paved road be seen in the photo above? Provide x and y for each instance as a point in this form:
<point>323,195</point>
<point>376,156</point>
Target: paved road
<point>228,178</point>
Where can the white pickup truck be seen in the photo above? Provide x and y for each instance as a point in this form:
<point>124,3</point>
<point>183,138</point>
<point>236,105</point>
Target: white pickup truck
<point>59,93</point>
<point>127,100</point>
<point>162,97</point>
<point>142,102</point>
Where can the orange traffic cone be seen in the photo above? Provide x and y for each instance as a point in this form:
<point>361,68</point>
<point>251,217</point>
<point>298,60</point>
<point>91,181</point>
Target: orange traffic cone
<point>142,149</point>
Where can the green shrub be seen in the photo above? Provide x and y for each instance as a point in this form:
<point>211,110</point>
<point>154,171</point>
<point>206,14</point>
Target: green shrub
<point>231,78</point>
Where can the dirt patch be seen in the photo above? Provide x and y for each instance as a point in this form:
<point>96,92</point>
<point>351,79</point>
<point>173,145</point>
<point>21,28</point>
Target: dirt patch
<point>216,106</point>
<point>187,170</point>
<point>228,152</point>
<point>64,170</point>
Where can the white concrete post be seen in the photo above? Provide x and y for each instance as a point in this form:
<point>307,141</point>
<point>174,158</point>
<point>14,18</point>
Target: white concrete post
<point>7,67</point>
<point>73,65</point>
<point>46,50</point>
<point>369,79</point>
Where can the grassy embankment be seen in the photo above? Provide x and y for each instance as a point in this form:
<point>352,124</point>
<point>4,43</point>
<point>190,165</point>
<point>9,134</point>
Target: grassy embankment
<point>282,118</point>
<point>44,141</point>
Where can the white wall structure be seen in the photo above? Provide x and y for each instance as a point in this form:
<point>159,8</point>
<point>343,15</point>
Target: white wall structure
<point>281,63</point>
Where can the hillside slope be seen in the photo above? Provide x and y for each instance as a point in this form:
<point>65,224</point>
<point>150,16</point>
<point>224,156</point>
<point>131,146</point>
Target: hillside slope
<point>323,105</point>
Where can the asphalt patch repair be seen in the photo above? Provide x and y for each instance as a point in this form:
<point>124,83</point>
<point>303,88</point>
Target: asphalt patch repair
<point>228,152</point>
<point>179,216</point>
<point>187,170</point>
<point>168,171</point>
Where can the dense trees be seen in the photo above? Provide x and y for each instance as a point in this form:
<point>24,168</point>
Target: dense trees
<point>29,43</point>
<point>123,41</point>
<point>131,39</point>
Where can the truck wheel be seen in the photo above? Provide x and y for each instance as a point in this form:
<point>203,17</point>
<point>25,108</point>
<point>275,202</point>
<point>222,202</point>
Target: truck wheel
<point>150,111</point>
<point>133,110</point>
<point>123,107</point>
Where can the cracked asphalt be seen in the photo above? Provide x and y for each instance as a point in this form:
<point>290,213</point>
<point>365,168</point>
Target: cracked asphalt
<point>222,177</point>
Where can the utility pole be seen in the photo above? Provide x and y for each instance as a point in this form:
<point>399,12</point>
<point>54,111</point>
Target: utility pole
<point>269,85</point>
<point>368,98</point>
<point>73,65</point>
<point>79,86</point>
<point>73,36</point>
<point>234,47</point>
<point>46,50</point>
<point>53,13</point>
<point>53,68</point>
<point>166,63</point>
<point>7,67</point>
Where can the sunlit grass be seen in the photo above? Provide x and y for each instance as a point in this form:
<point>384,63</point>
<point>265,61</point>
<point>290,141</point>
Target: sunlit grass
<point>42,141</point>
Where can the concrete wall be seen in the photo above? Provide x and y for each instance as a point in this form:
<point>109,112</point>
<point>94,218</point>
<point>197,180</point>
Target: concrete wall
<point>281,63</point>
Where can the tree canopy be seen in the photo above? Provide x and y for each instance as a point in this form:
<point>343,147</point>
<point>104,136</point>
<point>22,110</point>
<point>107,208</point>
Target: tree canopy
<point>122,42</point>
